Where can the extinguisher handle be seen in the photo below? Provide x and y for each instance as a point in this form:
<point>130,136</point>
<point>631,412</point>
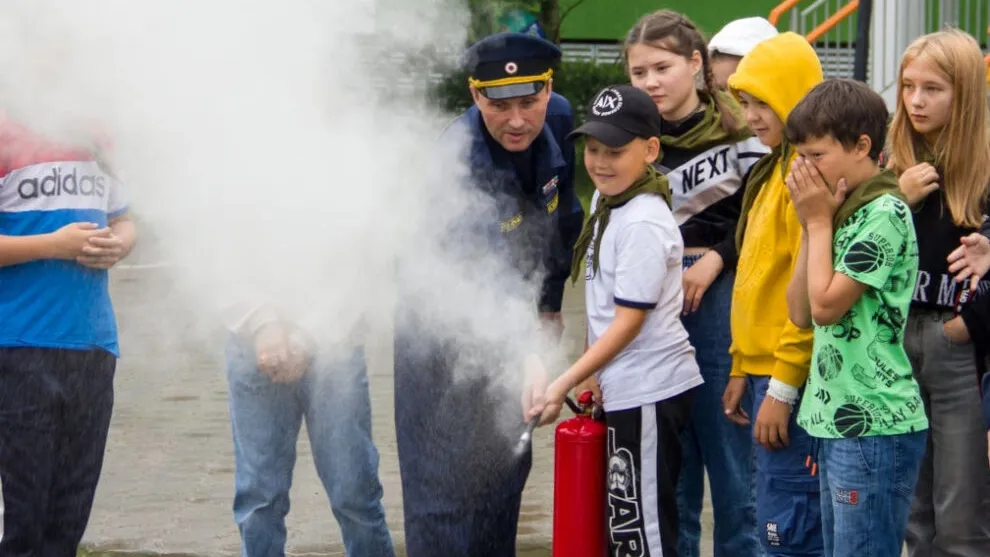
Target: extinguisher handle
<point>573,406</point>
<point>586,399</point>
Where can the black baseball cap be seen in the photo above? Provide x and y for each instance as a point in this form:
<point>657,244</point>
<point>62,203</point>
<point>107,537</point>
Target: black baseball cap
<point>619,114</point>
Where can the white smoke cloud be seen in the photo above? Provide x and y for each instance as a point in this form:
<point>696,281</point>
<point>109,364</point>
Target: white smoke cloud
<point>276,150</point>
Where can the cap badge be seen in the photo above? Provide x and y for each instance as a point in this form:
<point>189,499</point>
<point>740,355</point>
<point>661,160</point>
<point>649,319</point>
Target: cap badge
<point>511,68</point>
<point>608,103</point>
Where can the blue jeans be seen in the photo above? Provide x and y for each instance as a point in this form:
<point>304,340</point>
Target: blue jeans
<point>867,485</point>
<point>788,507</point>
<point>333,399</point>
<point>714,443</point>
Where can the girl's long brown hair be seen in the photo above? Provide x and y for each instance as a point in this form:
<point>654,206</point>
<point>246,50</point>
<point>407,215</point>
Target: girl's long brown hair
<point>962,150</point>
<point>674,32</point>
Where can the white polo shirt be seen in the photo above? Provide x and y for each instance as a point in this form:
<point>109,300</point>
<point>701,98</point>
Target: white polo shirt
<point>640,266</point>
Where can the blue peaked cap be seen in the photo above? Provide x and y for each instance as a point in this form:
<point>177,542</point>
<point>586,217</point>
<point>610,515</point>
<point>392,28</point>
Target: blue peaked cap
<point>508,65</point>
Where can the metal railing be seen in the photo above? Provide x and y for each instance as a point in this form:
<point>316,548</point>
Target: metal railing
<point>830,25</point>
<point>599,53</point>
<point>971,16</point>
<point>896,23</point>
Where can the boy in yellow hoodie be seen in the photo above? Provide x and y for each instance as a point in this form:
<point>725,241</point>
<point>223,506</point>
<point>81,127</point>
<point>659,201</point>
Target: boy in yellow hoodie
<point>771,355</point>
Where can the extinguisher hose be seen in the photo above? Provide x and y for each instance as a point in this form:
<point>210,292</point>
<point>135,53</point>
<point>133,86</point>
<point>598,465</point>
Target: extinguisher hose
<point>527,435</point>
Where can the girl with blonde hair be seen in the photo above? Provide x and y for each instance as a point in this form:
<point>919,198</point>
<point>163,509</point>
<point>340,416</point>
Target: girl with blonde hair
<point>940,150</point>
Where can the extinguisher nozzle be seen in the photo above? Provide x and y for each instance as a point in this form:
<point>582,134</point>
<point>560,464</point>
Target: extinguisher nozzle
<point>527,436</point>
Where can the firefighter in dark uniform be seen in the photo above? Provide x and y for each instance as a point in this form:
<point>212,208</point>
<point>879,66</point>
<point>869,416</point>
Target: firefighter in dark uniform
<point>462,485</point>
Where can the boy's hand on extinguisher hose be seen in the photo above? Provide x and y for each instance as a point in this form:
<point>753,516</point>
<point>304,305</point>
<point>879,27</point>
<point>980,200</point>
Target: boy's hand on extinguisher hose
<point>770,429</point>
<point>732,401</point>
<point>554,402</point>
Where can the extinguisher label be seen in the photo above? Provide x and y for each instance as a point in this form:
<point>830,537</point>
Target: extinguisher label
<point>626,527</point>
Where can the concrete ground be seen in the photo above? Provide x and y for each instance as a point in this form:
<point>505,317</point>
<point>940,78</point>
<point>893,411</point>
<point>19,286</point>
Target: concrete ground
<point>168,477</point>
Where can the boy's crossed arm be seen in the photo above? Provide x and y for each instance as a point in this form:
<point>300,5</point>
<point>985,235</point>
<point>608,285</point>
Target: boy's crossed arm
<point>104,251</point>
<point>83,242</point>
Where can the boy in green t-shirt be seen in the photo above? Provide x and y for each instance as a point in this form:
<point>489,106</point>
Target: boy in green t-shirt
<point>853,281</point>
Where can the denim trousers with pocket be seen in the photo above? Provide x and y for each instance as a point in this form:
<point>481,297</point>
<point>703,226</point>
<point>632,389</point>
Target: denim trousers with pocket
<point>788,508</point>
<point>867,484</point>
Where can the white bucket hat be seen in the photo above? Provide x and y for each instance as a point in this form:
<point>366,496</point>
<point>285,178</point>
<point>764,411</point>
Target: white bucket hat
<point>740,36</point>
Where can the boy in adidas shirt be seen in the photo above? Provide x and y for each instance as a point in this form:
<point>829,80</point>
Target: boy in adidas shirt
<point>63,223</point>
<point>636,343</point>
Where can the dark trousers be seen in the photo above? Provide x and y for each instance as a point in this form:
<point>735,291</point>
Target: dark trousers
<point>461,482</point>
<point>55,408</point>
<point>644,461</point>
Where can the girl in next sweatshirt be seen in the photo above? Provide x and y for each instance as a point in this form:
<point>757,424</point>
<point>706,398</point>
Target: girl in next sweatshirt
<point>706,153</point>
<point>940,149</point>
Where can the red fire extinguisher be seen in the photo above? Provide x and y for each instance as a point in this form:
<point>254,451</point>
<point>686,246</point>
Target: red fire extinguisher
<point>579,516</point>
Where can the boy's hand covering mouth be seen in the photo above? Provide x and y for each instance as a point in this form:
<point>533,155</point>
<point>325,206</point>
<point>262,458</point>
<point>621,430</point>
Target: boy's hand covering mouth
<point>813,199</point>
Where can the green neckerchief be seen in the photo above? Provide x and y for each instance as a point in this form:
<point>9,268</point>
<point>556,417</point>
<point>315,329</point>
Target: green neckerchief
<point>759,175</point>
<point>709,130</point>
<point>882,183</point>
<point>923,154</point>
<point>651,182</point>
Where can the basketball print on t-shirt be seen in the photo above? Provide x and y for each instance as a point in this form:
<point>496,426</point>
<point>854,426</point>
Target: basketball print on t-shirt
<point>865,257</point>
<point>829,362</point>
<point>852,420</point>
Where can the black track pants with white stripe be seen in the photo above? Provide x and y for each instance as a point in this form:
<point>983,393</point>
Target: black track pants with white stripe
<point>644,460</point>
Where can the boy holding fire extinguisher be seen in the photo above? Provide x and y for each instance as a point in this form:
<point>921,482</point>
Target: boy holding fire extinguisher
<point>637,346</point>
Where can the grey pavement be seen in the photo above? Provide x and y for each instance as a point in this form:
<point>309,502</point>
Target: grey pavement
<point>167,482</point>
